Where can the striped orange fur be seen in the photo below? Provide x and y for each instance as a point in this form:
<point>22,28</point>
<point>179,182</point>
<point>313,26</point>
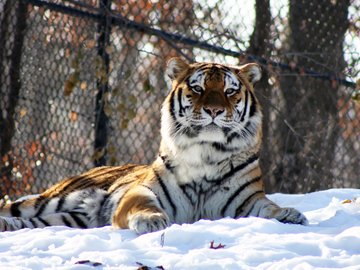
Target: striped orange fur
<point>207,166</point>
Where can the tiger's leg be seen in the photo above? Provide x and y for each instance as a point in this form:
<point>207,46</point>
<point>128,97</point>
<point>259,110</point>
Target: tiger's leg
<point>71,219</point>
<point>253,202</point>
<point>265,208</point>
<point>139,210</point>
<point>79,209</point>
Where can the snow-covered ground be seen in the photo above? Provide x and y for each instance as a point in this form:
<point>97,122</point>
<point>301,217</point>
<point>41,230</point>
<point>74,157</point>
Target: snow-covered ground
<point>331,240</point>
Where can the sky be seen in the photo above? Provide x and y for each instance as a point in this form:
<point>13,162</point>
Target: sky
<point>330,241</point>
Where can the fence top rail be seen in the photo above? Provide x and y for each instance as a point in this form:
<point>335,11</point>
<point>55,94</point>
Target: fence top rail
<point>118,20</point>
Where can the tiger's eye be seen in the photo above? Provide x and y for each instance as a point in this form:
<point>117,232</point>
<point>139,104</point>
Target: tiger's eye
<point>198,89</point>
<point>230,91</point>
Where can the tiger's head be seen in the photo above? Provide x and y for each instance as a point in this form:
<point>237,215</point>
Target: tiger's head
<point>211,103</point>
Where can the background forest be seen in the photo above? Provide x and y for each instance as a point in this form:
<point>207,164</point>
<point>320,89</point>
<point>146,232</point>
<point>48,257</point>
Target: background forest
<point>82,82</point>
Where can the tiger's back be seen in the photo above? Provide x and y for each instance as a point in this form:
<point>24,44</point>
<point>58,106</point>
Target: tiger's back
<point>207,165</point>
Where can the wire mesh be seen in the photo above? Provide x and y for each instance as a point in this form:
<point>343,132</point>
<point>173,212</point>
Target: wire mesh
<point>82,83</point>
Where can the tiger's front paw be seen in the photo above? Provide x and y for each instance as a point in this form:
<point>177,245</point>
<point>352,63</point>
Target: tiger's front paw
<point>291,215</point>
<point>148,222</point>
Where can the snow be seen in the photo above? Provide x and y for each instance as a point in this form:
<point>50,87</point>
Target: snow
<point>331,240</point>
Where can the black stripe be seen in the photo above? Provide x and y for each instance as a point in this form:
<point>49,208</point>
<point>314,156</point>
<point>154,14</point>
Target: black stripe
<point>167,163</point>
<point>172,105</point>
<point>6,226</point>
<point>233,170</point>
<point>192,131</point>
<point>181,108</point>
<point>60,204</point>
<point>105,209</point>
<point>208,66</point>
<point>240,208</point>
<point>285,220</point>
<point>231,165</point>
<point>161,203</point>
<point>202,65</point>
<point>249,130</point>
<point>232,136</point>
<point>157,197</point>
<point>14,209</point>
<point>166,192</point>
<point>202,69</point>
<point>38,201</point>
<point>226,130</point>
<point>225,69</point>
<point>253,105</point>
<point>78,220</point>
<point>177,126</point>
<point>241,166</point>
<point>43,221</point>
<point>43,205</point>
<point>33,222</point>
<point>66,221</point>
<point>183,189</point>
<point>120,184</point>
<point>237,192</point>
<point>23,225</point>
<point>219,147</point>
<point>223,147</point>
<point>87,179</point>
<point>245,107</point>
<point>103,201</point>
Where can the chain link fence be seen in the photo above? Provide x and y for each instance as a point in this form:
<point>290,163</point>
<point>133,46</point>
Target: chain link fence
<point>82,83</point>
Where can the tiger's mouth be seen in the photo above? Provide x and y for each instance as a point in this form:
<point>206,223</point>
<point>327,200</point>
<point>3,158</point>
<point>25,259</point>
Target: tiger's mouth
<point>210,128</point>
<point>212,125</point>
<point>215,127</point>
<point>205,124</point>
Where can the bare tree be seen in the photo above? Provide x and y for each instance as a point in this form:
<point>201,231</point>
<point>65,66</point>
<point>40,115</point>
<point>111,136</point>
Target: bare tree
<point>10,34</point>
<point>260,46</point>
<point>310,113</point>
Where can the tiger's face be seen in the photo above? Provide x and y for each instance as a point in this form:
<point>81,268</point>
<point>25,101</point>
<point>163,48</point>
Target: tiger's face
<point>210,102</point>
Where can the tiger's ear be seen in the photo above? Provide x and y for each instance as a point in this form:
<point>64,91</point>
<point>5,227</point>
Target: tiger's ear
<point>175,66</point>
<point>251,71</point>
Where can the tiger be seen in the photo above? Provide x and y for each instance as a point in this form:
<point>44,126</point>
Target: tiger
<point>207,165</point>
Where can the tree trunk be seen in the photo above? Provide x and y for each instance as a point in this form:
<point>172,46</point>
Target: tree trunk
<point>260,46</point>
<point>309,127</point>
<point>101,119</point>
<point>11,95</point>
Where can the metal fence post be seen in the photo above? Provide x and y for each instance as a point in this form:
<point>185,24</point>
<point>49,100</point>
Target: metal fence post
<point>101,119</point>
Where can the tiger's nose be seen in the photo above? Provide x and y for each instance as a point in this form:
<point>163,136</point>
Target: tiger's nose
<point>214,111</point>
